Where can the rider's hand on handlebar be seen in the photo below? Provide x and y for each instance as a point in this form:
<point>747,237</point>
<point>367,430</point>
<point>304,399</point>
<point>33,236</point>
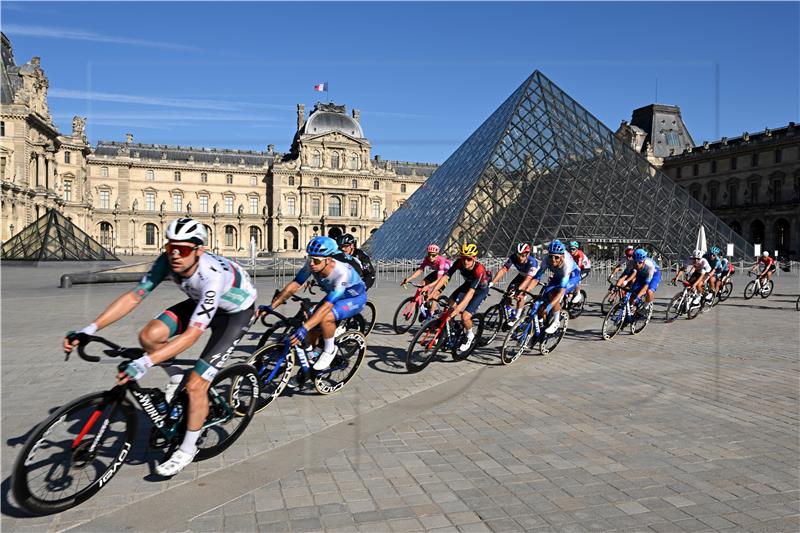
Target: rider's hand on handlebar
<point>299,336</point>
<point>263,310</point>
<point>74,338</point>
<point>405,280</point>
<point>134,370</point>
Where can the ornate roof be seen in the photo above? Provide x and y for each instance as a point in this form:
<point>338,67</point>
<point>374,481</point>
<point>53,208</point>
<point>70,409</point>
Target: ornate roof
<point>184,154</point>
<point>330,117</point>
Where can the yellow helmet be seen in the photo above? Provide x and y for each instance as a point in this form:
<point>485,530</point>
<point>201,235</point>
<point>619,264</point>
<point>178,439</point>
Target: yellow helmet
<point>469,250</point>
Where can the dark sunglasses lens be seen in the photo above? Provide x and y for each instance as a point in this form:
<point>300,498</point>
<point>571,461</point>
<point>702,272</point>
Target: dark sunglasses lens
<point>183,251</point>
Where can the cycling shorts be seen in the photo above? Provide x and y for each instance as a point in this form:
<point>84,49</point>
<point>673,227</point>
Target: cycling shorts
<point>227,329</point>
<point>432,277</point>
<point>652,286</point>
<point>477,298</point>
<point>347,307</point>
<point>555,285</point>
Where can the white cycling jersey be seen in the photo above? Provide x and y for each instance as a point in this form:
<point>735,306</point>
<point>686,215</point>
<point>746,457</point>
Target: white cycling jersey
<point>702,266</point>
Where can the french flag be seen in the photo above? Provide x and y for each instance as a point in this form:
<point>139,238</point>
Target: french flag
<point>321,87</point>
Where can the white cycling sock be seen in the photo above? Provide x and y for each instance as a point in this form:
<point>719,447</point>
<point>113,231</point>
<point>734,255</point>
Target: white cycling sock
<point>329,345</point>
<point>470,333</point>
<point>189,444</point>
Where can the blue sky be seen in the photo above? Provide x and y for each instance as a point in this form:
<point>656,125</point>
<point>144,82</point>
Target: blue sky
<point>424,75</point>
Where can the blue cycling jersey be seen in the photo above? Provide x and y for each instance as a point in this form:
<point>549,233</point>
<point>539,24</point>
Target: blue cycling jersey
<point>714,261</point>
<point>648,270</point>
<point>342,282</point>
<point>562,274</point>
<point>527,267</point>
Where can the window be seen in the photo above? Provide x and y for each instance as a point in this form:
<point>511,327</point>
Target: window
<point>753,192</point>
<point>315,206</point>
<point>68,190</point>
<point>776,191</point>
<point>353,163</point>
<point>253,205</point>
<point>376,209</point>
<point>203,177</point>
<point>150,201</point>
<point>672,138</point>
<point>695,170</point>
<point>712,196</point>
<point>354,184</point>
<point>713,167</point>
<point>105,197</point>
<point>733,163</point>
<point>778,156</point>
<point>177,202</point>
<point>678,172</point>
<point>2,128</point>
<point>203,203</point>
<point>150,234</point>
<point>402,187</point>
<point>2,168</point>
<point>105,233</point>
<point>733,193</point>
<point>695,192</point>
<point>254,182</point>
<point>290,205</point>
<point>291,180</point>
<point>754,160</point>
<point>316,160</point>
<point>316,182</point>
<point>230,236</point>
<point>334,206</point>
<point>335,160</point>
<point>229,205</point>
<point>103,172</point>
<point>376,185</point>
<point>67,157</point>
<point>353,208</point>
<point>255,235</point>
<point>229,179</point>
<point>177,175</point>
<point>150,175</point>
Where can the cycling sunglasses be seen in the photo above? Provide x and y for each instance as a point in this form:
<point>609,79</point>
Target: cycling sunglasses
<point>316,260</point>
<point>182,250</point>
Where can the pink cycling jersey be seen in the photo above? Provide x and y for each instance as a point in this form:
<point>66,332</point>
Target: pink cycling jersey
<point>440,265</point>
<point>582,260</point>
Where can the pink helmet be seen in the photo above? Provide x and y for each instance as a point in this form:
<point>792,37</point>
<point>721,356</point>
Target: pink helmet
<point>433,248</point>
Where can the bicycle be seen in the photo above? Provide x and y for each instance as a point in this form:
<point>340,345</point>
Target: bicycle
<point>685,302</point>
<point>613,296</point>
<point>574,309</point>
<point>498,316</point>
<point>406,314</point>
<point>758,287</point>
<point>274,363</point>
<point>439,332</point>
<point>727,288</point>
<point>88,440</point>
<point>530,331</point>
<point>623,312</point>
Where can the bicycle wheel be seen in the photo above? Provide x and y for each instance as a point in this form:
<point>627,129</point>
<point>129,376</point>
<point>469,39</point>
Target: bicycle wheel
<point>405,316</point>
<point>232,399</point>
<point>369,315</point>
<point>675,308</point>
<point>492,324</point>
<point>275,333</point>
<point>749,290</point>
<point>693,308</point>
<point>766,291</point>
<point>424,345</point>
<point>61,465</point>
<point>477,324</point>
<point>614,320</point>
<point>725,291</point>
<point>641,318</point>
<point>576,309</point>
<point>355,323</point>
<point>273,368</point>
<point>609,300</point>
<point>549,342</point>
<point>350,350</point>
<point>516,340</point>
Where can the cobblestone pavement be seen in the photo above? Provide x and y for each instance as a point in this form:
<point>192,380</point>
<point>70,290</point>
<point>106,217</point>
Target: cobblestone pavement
<point>689,426</point>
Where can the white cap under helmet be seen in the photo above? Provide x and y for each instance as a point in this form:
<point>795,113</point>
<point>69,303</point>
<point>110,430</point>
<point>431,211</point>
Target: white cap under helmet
<point>187,229</point>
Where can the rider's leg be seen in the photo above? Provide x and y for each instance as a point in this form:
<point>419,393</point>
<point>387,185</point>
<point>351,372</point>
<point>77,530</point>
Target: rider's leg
<point>342,310</point>
<point>157,333</point>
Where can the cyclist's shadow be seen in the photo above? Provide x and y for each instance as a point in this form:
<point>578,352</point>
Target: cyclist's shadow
<point>387,359</point>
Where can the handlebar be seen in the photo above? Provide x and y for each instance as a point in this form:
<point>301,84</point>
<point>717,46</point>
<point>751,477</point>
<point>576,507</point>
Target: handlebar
<point>114,350</point>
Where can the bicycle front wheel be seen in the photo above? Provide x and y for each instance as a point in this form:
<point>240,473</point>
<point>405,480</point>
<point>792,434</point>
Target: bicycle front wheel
<point>405,316</point>
<point>749,290</point>
<point>674,308</point>
<point>726,291</point>
<point>350,350</point>
<point>369,315</point>
<point>516,340</point>
<point>273,366</point>
<point>74,453</point>
<point>424,345</point>
<point>614,320</point>
<point>576,309</point>
<point>275,333</point>
<point>492,324</point>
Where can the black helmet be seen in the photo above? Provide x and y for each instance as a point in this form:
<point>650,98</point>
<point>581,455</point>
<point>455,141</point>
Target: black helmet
<point>344,240</point>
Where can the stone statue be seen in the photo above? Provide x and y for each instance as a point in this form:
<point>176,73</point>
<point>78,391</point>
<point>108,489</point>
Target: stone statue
<point>78,126</point>
<point>135,205</point>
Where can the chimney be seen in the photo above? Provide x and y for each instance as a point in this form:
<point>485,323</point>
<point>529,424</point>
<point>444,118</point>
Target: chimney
<point>129,138</point>
<point>301,116</point>
<point>357,115</point>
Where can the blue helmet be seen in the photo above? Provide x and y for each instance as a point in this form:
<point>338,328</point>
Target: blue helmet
<point>556,247</point>
<point>639,255</point>
<point>322,246</point>
<point>715,250</point>
<point>574,244</point>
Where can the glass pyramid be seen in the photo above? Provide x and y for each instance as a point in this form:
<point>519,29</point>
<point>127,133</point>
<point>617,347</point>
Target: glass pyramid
<point>53,237</point>
<point>541,167</point>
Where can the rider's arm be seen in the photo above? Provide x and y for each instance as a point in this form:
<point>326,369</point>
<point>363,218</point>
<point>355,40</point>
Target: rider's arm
<point>120,307</point>
<point>499,275</point>
<point>416,273</point>
<point>437,284</point>
<point>285,293</point>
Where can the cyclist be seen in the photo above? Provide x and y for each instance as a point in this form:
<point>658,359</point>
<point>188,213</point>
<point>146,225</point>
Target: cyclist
<point>716,272</point>
<point>526,266</point>
<point>648,276</point>
<point>345,297</point>
<point>566,276</point>
<point>469,295</point>
<point>347,244</point>
<point>583,263</point>
<point>700,271</point>
<point>624,263</point>
<point>439,266</point>
<point>768,266</point>
<point>221,297</point>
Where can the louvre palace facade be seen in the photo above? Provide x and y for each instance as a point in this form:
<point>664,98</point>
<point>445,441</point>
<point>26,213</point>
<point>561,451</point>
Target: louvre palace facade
<point>124,193</point>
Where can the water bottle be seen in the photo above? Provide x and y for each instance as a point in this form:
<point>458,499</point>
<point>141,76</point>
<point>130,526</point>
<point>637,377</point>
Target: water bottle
<point>159,400</point>
<point>177,411</point>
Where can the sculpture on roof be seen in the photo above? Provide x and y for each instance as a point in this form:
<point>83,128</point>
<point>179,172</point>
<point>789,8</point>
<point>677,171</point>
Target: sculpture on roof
<point>79,126</point>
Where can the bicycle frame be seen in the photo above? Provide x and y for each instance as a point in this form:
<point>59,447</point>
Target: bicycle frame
<point>444,324</point>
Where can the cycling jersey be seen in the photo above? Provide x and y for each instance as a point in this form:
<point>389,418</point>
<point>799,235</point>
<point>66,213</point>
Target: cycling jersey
<point>701,267</point>
<point>477,278</point>
<point>561,274</point>
<point>649,274</point>
<point>581,260</point>
<point>624,261</point>
<point>342,282</point>
<point>529,267</point>
<point>767,262</point>
<point>362,264</point>
<point>440,265</point>
<point>217,283</point>
<point>714,261</point>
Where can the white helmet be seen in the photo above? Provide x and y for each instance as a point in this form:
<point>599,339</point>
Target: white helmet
<point>697,254</point>
<point>765,253</point>
<point>187,229</point>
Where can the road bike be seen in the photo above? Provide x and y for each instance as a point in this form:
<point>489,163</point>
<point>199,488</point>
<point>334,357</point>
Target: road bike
<point>687,302</point>
<point>407,312</point>
<point>275,362</point>
<point>501,316</point>
<point>78,450</point>
<point>529,332</point>
<point>613,296</point>
<point>574,309</point>
<point>441,333</point>
<point>636,315</point>
<point>758,287</point>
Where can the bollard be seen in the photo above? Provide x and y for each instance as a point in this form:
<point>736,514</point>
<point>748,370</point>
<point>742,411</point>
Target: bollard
<point>66,282</point>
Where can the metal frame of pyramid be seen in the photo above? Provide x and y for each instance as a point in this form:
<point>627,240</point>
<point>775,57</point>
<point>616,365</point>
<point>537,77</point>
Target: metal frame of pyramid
<point>53,237</point>
<point>542,167</point>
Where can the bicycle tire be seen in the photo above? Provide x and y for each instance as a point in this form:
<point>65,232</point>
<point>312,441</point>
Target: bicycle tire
<point>351,347</point>
<point>549,342</point>
<point>726,291</point>
<point>406,315</point>
<point>694,310</point>
<point>369,313</point>
<point>765,293</point>
<point>275,332</point>
<point>636,320</point>
<point>611,323</point>
<point>226,405</point>
<point>30,499</point>
<point>750,290</point>
<point>424,345</point>
<point>355,323</point>
<point>493,323</point>
<point>674,308</point>
<point>609,300</point>
<point>264,360</point>
<point>477,322</point>
<point>576,309</point>
<point>516,340</point>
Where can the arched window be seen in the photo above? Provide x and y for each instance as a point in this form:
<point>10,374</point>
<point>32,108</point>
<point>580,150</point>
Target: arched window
<point>316,182</point>
<point>103,172</point>
<point>334,206</point>
<point>290,238</point>
<point>335,160</point>
<point>255,233</point>
<point>230,236</point>
<point>203,177</point>
<point>106,233</point>
<point>291,180</point>
<point>150,232</point>
<point>402,187</point>
<point>376,185</point>
<point>316,159</point>
<point>353,162</point>
<point>354,184</point>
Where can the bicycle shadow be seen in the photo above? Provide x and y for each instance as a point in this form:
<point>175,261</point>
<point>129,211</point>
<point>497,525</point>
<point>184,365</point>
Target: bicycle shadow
<point>584,335</point>
<point>387,359</point>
